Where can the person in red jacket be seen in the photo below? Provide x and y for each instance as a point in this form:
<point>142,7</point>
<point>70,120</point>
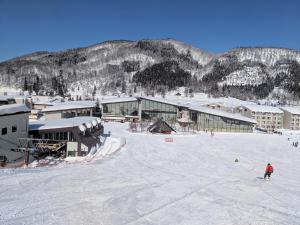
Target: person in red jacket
<point>269,171</point>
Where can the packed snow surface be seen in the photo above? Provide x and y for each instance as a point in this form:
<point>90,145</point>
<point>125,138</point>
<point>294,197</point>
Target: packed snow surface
<point>193,180</point>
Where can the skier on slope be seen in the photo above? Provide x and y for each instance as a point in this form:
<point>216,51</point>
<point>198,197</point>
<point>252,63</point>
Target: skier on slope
<point>269,171</point>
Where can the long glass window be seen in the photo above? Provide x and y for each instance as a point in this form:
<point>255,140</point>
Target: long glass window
<point>217,123</point>
<point>121,108</point>
<point>152,110</point>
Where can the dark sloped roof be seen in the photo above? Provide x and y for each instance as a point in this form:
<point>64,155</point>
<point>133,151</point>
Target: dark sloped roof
<point>159,123</point>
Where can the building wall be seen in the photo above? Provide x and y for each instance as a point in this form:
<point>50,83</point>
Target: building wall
<point>10,140</point>
<point>40,107</point>
<point>68,113</point>
<point>216,123</point>
<point>120,108</point>
<point>265,120</point>
<point>53,115</point>
<point>287,117</point>
<point>295,122</point>
<point>145,109</point>
<point>84,140</point>
<point>72,148</point>
<point>268,121</point>
<point>153,110</point>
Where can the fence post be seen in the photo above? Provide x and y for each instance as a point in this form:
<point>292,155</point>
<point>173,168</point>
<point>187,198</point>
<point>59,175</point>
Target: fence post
<point>26,155</point>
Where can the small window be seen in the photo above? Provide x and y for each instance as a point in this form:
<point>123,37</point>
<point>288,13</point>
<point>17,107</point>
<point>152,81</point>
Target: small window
<point>4,131</point>
<point>14,129</point>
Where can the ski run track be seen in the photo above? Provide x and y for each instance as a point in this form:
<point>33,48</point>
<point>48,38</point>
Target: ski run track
<point>193,180</point>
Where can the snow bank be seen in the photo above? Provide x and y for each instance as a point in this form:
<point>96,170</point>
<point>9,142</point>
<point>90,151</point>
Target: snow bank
<point>110,146</point>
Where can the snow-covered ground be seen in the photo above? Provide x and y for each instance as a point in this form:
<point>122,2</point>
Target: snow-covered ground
<point>190,181</point>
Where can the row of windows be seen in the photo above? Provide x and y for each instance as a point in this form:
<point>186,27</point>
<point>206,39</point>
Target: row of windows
<point>153,115</point>
<point>266,114</point>
<point>71,114</point>
<point>268,122</point>
<point>121,108</point>
<point>297,120</point>
<point>152,108</point>
<point>5,130</point>
<point>157,106</point>
<point>294,128</point>
<point>217,123</point>
<point>268,118</point>
<point>270,127</point>
<point>62,136</point>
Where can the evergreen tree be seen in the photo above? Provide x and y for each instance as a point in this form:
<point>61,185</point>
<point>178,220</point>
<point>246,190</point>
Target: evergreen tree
<point>123,88</point>
<point>25,87</point>
<point>94,91</point>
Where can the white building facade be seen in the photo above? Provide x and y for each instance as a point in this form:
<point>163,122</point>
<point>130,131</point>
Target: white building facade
<point>291,118</point>
<point>268,118</point>
<point>13,125</point>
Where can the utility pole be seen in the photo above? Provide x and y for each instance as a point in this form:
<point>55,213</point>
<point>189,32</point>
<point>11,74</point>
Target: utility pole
<point>26,155</point>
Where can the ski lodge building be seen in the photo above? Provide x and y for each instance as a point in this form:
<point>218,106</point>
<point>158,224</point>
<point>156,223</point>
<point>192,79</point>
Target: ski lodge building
<point>268,118</point>
<point>215,120</point>
<point>77,136</point>
<point>13,125</point>
<point>152,109</point>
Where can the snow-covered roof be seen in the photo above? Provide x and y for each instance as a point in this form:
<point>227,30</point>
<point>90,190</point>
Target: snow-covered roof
<point>12,109</point>
<point>228,115</point>
<point>116,100</point>
<point>82,122</point>
<point>48,103</point>
<point>262,108</point>
<point>46,100</point>
<point>166,101</point>
<point>18,96</point>
<point>5,98</point>
<point>292,110</point>
<point>70,105</point>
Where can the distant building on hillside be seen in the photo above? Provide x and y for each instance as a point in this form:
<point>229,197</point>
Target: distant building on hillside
<point>268,118</point>
<point>13,125</point>
<point>291,118</point>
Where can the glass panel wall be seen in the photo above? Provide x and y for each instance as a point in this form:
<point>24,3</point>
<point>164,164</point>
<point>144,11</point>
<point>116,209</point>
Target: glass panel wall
<point>68,114</point>
<point>222,124</point>
<point>152,110</point>
<point>61,136</point>
<point>121,108</point>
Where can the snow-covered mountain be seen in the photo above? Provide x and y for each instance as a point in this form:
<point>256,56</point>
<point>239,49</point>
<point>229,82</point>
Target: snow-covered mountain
<point>124,65</point>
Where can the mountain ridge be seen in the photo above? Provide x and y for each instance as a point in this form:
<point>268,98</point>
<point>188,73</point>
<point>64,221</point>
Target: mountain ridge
<point>113,66</point>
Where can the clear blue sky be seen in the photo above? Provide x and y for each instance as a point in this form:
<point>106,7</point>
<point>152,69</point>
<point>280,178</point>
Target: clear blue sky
<point>216,26</point>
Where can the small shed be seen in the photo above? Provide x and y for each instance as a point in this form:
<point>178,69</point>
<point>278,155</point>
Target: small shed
<point>160,126</point>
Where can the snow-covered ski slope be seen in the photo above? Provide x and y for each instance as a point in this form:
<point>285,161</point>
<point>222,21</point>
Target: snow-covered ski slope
<point>191,181</point>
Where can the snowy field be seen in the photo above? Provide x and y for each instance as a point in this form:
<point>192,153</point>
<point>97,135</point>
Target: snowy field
<point>191,181</point>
